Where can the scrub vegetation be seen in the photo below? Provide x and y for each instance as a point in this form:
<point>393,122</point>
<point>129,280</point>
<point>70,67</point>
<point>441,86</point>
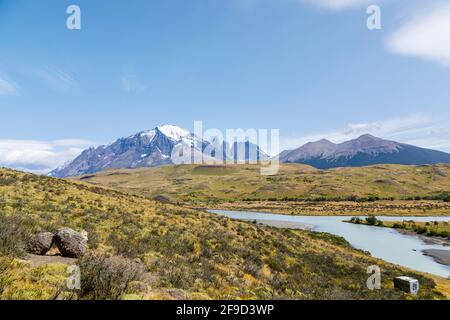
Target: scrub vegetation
<point>147,249</point>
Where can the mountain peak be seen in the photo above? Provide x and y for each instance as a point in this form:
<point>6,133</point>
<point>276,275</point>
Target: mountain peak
<point>368,136</point>
<point>173,132</point>
<point>324,141</point>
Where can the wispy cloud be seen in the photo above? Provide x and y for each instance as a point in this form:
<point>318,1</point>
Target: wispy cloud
<point>131,83</point>
<point>57,79</point>
<point>8,87</point>
<point>427,35</point>
<point>339,4</point>
<point>421,130</point>
<point>39,156</point>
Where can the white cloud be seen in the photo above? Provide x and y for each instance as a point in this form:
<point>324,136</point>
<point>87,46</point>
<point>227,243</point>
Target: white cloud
<point>427,35</point>
<point>131,83</point>
<point>39,156</point>
<point>340,4</point>
<point>420,130</point>
<point>57,79</point>
<point>8,87</point>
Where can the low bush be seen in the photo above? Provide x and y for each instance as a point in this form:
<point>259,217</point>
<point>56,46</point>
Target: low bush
<point>13,235</point>
<point>355,220</point>
<point>421,230</point>
<point>106,277</point>
<point>372,220</point>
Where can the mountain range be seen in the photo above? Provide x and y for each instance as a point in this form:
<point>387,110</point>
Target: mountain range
<point>363,151</point>
<point>154,148</point>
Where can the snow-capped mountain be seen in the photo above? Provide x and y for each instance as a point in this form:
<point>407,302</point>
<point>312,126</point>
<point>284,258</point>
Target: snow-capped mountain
<point>144,149</point>
<point>147,149</point>
<point>363,151</point>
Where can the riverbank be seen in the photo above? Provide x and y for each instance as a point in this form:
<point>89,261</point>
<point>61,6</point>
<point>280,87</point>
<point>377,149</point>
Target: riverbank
<point>431,232</point>
<point>440,256</point>
<point>407,250</point>
<point>283,224</point>
<point>408,208</point>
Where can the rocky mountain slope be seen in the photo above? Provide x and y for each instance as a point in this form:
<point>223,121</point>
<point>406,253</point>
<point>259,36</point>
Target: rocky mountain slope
<point>154,148</point>
<point>363,151</point>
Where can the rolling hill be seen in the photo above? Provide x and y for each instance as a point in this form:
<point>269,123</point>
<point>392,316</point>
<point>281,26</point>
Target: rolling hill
<point>295,184</point>
<point>187,253</point>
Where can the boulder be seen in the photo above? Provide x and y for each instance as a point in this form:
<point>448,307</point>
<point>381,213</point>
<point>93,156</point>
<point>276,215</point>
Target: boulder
<point>71,244</point>
<point>40,243</point>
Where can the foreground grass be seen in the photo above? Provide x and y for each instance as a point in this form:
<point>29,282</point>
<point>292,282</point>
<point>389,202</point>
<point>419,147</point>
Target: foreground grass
<point>189,254</point>
<point>296,189</point>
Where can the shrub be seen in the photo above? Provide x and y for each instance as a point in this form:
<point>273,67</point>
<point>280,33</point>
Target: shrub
<point>421,230</point>
<point>372,220</point>
<point>5,275</point>
<point>355,220</point>
<point>13,235</point>
<point>431,233</point>
<point>107,278</point>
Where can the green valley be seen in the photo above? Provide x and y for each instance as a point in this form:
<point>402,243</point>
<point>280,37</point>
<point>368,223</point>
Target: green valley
<point>296,189</point>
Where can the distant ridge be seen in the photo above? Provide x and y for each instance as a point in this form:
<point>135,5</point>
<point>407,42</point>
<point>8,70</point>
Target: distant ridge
<point>363,151</point>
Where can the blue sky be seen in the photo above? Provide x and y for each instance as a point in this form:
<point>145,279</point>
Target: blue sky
<point>310,68</point>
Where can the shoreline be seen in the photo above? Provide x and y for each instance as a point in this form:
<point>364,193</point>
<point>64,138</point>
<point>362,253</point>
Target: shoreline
<point>332,208</point>
<point>283,224</point>
<point>305,214</point>
<point>438,255</point>
<point>428,240</point>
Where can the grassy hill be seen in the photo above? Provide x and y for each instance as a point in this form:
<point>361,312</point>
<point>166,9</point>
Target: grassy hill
<point>186,253</point>
<point>295,189</point>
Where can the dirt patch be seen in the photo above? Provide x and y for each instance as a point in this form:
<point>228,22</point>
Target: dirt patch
<point>36,261</point>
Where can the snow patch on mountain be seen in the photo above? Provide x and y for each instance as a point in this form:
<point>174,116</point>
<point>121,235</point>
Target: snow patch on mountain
<point>173,132</point>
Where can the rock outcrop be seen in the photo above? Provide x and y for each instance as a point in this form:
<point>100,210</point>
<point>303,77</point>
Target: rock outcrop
<point>70,243</point>
<point>40,243</point>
